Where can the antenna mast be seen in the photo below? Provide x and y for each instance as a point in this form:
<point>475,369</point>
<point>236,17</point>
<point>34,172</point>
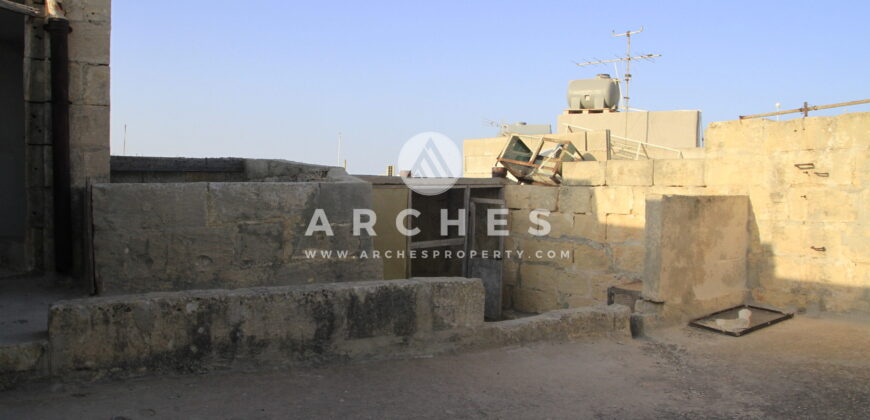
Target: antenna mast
<point>628,57</point>
<point>338,160</point>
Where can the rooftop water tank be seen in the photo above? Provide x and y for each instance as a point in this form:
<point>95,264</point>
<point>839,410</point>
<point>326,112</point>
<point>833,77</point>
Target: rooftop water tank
<point>601,92</point>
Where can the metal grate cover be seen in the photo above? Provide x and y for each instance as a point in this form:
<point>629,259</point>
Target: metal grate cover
<point>761,317</point>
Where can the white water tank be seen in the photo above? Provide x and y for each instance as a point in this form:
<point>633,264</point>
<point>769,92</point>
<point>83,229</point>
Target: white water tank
<point>601,92</point>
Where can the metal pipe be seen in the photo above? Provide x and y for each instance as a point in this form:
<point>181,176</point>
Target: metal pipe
<point>806,109</point>
<point>59,30</point>
<point>20,8</point>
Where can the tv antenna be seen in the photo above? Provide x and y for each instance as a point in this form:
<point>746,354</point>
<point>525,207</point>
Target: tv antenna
<point>627,59</point>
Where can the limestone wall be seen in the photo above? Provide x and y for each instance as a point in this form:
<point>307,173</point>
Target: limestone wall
<point>179,236</point>
<point>808,227</point>
<point>598,216</point>
<point>810,243</point>
<point>273,326</point>
<point>89,53</point>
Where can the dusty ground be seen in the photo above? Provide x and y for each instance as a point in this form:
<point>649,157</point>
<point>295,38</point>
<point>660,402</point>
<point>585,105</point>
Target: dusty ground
<point>802,368</point>
<point>24,302</point>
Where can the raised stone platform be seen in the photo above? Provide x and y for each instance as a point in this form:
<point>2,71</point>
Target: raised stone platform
<point>269,327</point>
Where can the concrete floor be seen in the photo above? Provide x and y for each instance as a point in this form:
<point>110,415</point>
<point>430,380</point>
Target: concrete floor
<point>802,368</point>
<point>24,302</point>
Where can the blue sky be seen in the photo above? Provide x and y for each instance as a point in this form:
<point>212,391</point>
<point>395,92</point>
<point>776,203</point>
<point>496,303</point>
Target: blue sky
<point>281,79</point>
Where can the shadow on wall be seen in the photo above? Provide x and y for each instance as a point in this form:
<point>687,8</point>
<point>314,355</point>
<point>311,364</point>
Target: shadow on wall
<point>596,241</point>
<point>806,283</point>
<point>603,228</point>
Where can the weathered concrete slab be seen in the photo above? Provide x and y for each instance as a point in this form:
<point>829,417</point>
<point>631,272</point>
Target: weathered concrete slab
<point>696,259</point>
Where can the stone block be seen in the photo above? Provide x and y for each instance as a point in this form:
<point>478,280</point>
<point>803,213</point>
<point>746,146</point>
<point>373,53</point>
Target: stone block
<point>575,199</point>
<point>740,170</point>
<point>560,224</point>
<point>20,357</point>
<point>856,244</point>
<point>149,206</point>
<point>612,200</point>
<point>456,302</point>
<point>89,165</point>
<point>237,202</point>
<point>510,271</point>
<point>571,287</point>
<point>259,244</point>
<point>37,80</point>
<point>88,10</point>
<point>579,301</point>
<point>124,258</point>
<point>588,257</point>
<point>589,227</point>
<point>639,200</point>
<point>37,126</point>
<point>542,277</point>
<point>812,133</point>
<point>739,135</point>
<point>595,155</point>
<point>629,172</point>
<point>36,39</point>
<point>531,197</point>
<point>584,173</point>
<point>547,251</point>
<point>89,84</point>
<point>535,301</point>
<point>333,198</point>
<point>818,204</point>
<point>828,167</point>
<point>679,172</point>
<point>598,140</point>
<point>89,42</point>
<point>629,257</point>
<point>768,204</point>
<point>89,127</point>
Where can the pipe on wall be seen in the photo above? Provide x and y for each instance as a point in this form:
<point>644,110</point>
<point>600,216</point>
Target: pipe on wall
<point>59,30</point>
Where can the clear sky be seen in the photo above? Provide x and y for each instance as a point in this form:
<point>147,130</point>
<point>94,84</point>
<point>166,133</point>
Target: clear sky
<point>281,79</point>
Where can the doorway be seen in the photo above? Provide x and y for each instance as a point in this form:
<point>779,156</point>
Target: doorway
<point>13,205</point>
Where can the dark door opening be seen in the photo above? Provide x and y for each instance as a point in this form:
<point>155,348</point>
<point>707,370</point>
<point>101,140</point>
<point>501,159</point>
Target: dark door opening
<point>13,204</point>
<point>469,255</point>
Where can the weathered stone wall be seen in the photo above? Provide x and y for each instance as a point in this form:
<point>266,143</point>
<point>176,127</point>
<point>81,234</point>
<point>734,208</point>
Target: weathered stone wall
<point>808,227</point>
<point>179,236</point>
<point>600,227</point>
<point>598,215</point>
<point>89,42</point>
<point>272,326</point>
<point>810,243</point>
